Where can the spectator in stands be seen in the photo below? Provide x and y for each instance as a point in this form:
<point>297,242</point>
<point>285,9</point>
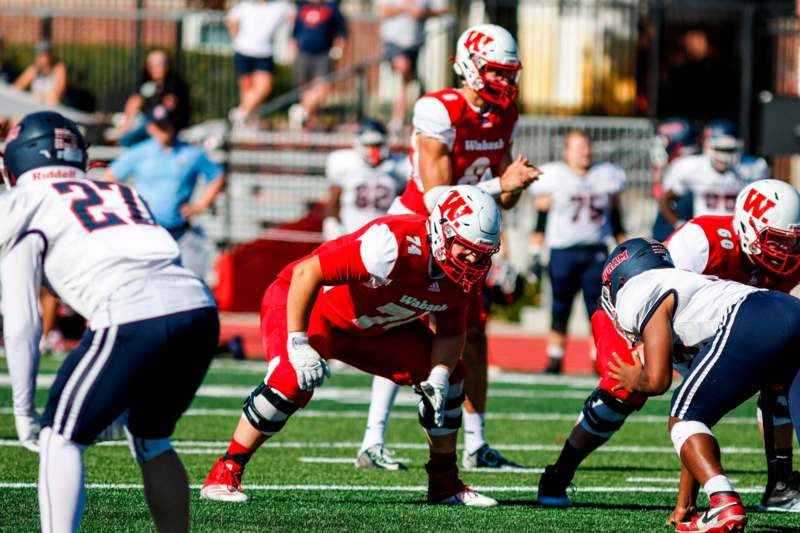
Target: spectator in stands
<point>319,37</point>
<point>253,25</point>
<point>6,74</point>
<point>46,78</point>
<point>402,26</point>
<point>158,85</point>
<point>165,170</point>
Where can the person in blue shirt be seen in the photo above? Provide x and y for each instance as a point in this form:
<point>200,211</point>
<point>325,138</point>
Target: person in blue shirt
<point>318,36</point>
<point>165,171</point>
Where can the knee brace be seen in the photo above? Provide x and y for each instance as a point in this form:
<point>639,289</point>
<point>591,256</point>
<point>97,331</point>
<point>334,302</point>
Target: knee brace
<point>775,405</point>
<point>267,410</point>
<point>452,414</point>
<point>684,429</point>
<point>145,450</point>
<point>603,414</point>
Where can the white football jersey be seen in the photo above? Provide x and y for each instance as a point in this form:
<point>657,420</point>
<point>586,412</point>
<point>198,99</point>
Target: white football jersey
<point>714,193</point>
<point>703,302</point>
<point>367,192</point>
<point>99,242</point>
<point>579,205</point>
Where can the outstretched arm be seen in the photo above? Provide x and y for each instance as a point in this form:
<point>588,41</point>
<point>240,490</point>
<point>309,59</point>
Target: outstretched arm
<point>20,274</point>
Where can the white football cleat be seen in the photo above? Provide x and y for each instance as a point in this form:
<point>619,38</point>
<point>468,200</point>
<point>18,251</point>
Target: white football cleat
<point>468,497</point>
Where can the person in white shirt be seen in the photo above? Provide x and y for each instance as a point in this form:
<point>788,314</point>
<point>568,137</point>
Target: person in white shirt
<point>253,25</point>
<point>153,325</point>
<point>364,180</point>
<point>402,33</point>
<point>578,206</point>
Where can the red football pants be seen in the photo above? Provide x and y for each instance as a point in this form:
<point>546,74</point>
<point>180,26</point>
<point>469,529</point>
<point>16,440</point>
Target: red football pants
<point>402,354</point>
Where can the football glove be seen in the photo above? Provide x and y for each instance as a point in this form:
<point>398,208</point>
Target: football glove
<point>28,427</point>
<point>435,389</point>
<point>311,369</point>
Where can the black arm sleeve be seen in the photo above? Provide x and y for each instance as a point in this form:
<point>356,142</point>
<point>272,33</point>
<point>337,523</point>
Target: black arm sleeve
<point>616,221</point>
<point>541,221</point>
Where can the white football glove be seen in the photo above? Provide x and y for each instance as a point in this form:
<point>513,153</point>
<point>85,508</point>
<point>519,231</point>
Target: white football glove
<point>28,427</point>
<point>310,367</point>
<point>435,391</point>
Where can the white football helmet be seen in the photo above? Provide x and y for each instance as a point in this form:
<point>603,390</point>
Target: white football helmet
<point>467,216</point>
<point>488,60</point>
<point>722,145</point>
<point>767,221</point>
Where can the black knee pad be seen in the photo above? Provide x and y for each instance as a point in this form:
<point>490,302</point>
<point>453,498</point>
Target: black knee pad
<point>603,413</point>
<point>452,406</point>
<point>266,410</point>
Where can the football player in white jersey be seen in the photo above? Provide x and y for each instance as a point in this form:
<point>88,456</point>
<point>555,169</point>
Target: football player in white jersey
<point>365,180</point>
<point>747,340</point>
<point>577,204</point>
<point>153,325</point>
<point>713,178</point>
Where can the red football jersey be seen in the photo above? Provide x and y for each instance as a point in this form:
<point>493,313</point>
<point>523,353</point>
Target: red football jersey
<point>477,141</point>
<point>708,245</point>
<point>382,276</point>
<point>608,341</point>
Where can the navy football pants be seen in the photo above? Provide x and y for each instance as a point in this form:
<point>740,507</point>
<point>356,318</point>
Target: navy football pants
<point>151,368</point>
<point>758,345</point>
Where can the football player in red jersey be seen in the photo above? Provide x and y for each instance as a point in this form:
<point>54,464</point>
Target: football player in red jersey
<point>462,136</point>
<point>359,298</point>
<point>760,246</point>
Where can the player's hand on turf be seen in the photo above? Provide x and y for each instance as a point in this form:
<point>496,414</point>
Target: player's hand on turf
<point>435,389</point>
<point>311,369</point>
<point>624,373</point>
<point>28,427</point>
<point>518,175</point>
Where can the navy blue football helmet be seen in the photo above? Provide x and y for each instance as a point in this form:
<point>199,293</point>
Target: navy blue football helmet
<point>628,259</point>
<point>43,139</point>
<point>373,141</point>
<point>674,137</point>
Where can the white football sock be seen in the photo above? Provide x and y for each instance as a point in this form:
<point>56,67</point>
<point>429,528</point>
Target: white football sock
<point>61,492</point>
<point>384,392</point>
<point>555,352</point>
<point>717,484</point>
<point>473,431</point>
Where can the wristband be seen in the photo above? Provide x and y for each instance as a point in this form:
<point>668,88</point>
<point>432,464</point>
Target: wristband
<point>296,339</point>
<point>439,375</point>
<point>491,186</point>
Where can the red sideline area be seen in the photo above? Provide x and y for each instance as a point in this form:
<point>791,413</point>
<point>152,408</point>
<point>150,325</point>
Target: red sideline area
<point>507,351</point>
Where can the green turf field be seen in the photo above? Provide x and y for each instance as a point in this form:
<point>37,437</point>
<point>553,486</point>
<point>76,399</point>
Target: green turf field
<point>304,479</point>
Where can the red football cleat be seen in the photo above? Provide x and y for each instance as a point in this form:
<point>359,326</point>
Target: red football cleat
<point>224,483</point>
<point>724,515</point>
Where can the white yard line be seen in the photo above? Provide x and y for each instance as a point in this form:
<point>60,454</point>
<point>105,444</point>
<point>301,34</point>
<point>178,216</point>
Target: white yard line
<point>661,480</point>
<point>219,446</point>
<point>389,488</point>
<point>361,395</point>
<point>407,415</point>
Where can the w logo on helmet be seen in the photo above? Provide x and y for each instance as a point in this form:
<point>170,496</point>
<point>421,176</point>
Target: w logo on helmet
<point>477,41</point>
<point>454,207</point>
<point>757,204</point>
